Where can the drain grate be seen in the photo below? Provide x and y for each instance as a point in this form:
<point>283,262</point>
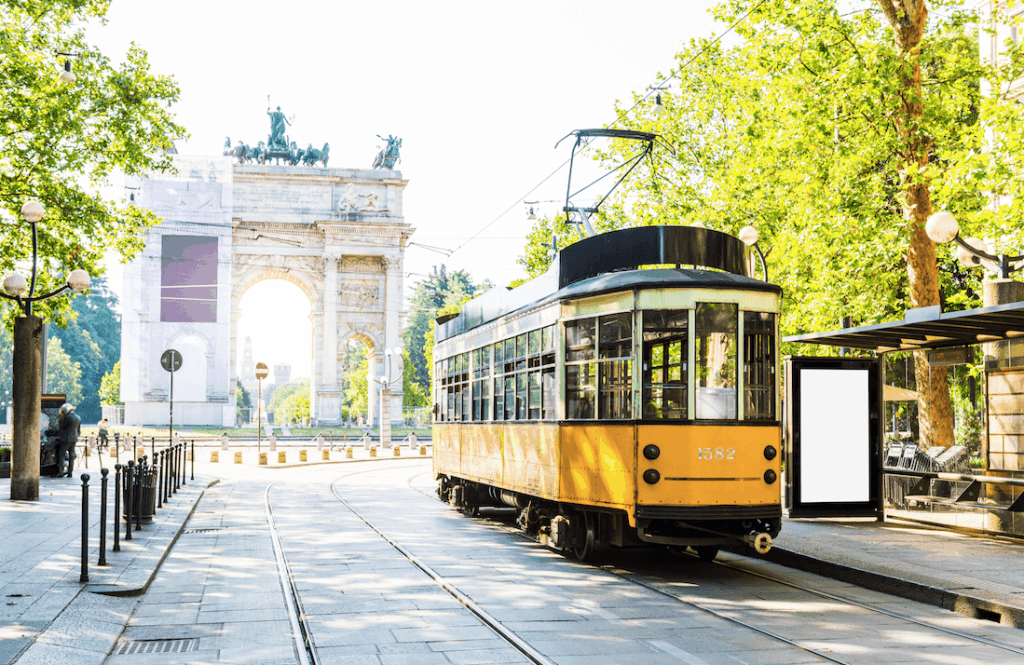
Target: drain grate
<point>156,646</point>
<point>212,529</point>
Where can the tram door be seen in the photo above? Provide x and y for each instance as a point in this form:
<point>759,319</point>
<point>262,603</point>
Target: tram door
<point>834,437</point>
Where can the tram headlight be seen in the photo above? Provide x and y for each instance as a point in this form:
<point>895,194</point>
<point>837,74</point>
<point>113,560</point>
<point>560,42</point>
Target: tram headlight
<point>651,476</point>
<point>770,452</point>
<point>770,476</point>
<point>652,452</point>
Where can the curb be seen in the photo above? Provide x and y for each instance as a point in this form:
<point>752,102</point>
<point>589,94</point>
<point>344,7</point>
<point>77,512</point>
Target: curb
<point>126,592</point>
<point>955,601</point>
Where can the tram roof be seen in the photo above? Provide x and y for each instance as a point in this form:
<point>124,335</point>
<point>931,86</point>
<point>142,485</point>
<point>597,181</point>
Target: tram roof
<point>927,328</point>
<point>610,262</point>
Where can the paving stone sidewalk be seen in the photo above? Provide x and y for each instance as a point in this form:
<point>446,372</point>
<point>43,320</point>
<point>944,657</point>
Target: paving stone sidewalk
<point>40,557</point>
<point>957,571</point>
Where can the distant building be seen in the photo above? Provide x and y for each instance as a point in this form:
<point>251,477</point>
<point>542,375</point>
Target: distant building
<point>338,234</point>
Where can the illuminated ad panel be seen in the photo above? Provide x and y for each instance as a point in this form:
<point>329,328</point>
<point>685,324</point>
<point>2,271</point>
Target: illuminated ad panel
<point>834,448</point>
<point>834,435</point>
<point>188,279</point>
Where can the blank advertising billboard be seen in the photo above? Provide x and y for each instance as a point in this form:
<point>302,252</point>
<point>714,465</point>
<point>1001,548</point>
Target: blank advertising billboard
<point>834,435</point>
<point>188,279</point>
<point>834,447</point>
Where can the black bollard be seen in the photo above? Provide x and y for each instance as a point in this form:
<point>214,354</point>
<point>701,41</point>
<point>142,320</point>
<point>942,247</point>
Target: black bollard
<point>140,472</point>
<point>152,447</point>
<point>168,483</point>
<point>117,448</point>
<point>177,467</point>
<point>158,467</point>
<point>193,460</point>
<point>129,501</point>
<point>84,577</point>
<point>103,518</point>
<point>117,508</point>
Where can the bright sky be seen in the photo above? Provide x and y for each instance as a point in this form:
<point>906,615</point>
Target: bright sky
<point>479,92</point>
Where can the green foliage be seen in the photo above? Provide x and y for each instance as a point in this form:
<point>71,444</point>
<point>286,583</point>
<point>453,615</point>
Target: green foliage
<point>294,408</point>
<point>91,335</point>
<point>357,390</point>
<point>799,129</point>
<point>438,291</point>
<point>283,393</point>
<point>59,143</point>
<point>63,375</point>
<point>110,386</point>
<point>415,393</point>
<point>6,374</point>
<point>242,397</point>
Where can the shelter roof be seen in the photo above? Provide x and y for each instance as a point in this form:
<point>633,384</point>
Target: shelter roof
<point>927,328</point>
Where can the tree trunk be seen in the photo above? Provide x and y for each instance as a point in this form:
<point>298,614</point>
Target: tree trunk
<point>908,19</point>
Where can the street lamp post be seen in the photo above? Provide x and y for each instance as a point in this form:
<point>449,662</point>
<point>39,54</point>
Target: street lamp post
<point>942,227</point>
<point>261,373</point>
<point>28,361</point>
<point>385,381</point>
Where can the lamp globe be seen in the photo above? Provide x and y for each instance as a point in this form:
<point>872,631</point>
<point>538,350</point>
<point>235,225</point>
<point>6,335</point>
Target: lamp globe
<point>942,227</point>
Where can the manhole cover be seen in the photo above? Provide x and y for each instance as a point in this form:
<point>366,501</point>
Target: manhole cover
<point>156,646</point>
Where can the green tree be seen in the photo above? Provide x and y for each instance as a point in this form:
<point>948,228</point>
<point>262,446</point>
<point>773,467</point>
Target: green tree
<point>294,408</point>
<point>439,290</point>
<point>110,386</point>
<point>357,389</point>
<point>91,334</point>
<point>63,375</point>
<point>283,393</point>
<point>59,143</point>
<point>243,403</point>
<point>415,393</point>
<point>6,369</point>
<point>834,129</point>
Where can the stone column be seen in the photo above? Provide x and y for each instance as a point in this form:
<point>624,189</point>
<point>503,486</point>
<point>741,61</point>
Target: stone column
<point>317,362</point>
<point>330,338</point>
<point>393,329</point>
<point>27,366</point>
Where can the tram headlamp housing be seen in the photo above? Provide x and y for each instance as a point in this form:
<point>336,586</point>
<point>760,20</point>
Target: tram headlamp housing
<point>652,452</point>
<point>651,476</point>
<point>770,476</point>
<point>770,452</point>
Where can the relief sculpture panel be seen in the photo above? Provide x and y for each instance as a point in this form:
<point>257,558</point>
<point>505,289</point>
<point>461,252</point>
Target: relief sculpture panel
<point>362,293</point>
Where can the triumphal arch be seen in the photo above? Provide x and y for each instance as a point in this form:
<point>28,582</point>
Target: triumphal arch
<point>339,234</point>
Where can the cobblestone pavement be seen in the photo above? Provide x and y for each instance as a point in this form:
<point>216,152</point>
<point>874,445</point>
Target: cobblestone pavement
<point>218,597</point>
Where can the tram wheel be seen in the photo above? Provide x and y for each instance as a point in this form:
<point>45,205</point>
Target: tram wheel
<point>583,551</point>
<point>707,552</point>
<point>469,511</point>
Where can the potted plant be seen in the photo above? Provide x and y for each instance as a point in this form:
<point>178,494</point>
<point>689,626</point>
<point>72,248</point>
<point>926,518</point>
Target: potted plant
<point>5,462</point>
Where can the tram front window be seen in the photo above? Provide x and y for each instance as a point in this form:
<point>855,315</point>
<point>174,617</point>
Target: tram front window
<point>664,358</point>
<point>716,329</point>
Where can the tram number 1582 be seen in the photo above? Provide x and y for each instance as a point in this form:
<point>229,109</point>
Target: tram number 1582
<point>716,453</point>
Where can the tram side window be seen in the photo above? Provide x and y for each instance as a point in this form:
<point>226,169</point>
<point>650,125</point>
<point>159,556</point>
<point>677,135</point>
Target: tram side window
<point>715,338</point>
<point>616,366</point>
<point>664,364</point>
<point>499,370</point>
<point>441,399</point>
<point>481,384</point>
<point>581,376</point>
<point>759,366</point>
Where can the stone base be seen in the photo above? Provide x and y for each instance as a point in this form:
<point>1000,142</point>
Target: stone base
<point>1002,292</point>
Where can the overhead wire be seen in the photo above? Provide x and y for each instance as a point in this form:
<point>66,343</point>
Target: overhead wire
<point>621,116</point>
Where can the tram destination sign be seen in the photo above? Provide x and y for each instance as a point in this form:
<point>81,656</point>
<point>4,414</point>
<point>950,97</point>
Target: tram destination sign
<point>956,355</point>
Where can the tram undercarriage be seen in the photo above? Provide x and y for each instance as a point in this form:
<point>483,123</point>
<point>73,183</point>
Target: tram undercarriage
<point>579,530</point>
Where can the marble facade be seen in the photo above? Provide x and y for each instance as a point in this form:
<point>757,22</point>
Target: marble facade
<point>337,234</point>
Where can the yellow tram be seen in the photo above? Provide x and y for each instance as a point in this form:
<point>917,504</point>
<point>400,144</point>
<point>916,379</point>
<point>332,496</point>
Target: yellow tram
<point>630,395</point>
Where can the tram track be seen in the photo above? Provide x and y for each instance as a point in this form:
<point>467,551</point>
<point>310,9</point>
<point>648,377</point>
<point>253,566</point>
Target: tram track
<point>305,640</point>
<point>630,577</point>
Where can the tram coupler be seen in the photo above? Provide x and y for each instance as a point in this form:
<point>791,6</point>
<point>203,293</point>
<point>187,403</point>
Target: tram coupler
<point>761,542</point>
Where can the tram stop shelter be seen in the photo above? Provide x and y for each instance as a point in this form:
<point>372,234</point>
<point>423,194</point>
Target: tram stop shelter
<point>834,405</point>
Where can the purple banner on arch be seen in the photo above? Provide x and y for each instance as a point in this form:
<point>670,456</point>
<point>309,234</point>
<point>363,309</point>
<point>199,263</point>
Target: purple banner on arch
<point>188,279</point>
